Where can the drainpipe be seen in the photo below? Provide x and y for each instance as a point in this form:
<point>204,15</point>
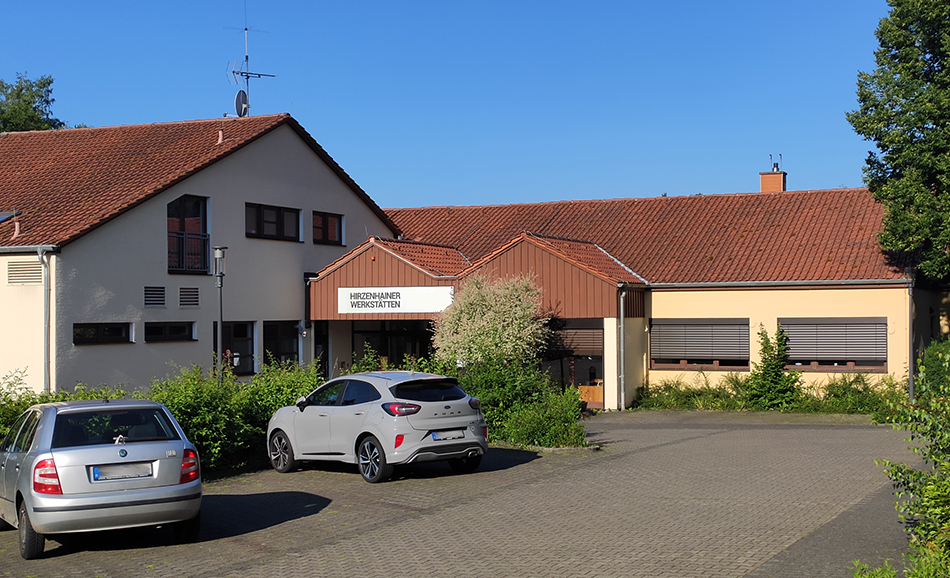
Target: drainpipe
<point>623,348</point>
<point>910,330</point>
<point>40,253</point>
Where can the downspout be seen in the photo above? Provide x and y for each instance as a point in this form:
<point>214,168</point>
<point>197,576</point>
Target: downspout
<point>40,253</point>
<point>623,348</point>
<point>910,331</point>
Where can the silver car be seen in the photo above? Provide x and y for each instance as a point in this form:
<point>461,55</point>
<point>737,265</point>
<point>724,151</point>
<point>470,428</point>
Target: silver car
<point>97,465</point>
<point>378,420</point>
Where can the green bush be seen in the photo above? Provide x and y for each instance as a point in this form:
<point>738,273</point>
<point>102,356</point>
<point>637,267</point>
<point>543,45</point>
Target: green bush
<point>926,492</point>
<point>278,384</point>
<point>770,385</point>
<point>213,415</point>
<point>550,422</point>
<point>672,394</point>
<point>15,398</point>
<point>503,389</point>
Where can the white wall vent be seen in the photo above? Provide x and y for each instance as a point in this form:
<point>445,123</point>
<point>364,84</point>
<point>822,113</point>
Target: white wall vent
<point>24,273</point>
<point>154,296</point>
<point>188,297</point>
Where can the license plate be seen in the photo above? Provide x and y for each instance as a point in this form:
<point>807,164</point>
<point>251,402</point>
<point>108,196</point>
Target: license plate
<point>448,435</point>
<point>122,471</point>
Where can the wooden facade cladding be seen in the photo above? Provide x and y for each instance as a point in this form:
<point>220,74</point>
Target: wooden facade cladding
<point>374,267</point>
<point>570,291</point>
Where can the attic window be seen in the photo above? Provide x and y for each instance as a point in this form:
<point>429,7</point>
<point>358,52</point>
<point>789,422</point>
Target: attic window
<point>6,215</point>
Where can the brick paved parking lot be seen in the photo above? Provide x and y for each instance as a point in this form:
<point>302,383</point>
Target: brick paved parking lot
<point>669,494</point>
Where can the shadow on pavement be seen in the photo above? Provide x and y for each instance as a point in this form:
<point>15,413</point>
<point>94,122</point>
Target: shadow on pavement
<point>495,460</point>
<point>222,516</point>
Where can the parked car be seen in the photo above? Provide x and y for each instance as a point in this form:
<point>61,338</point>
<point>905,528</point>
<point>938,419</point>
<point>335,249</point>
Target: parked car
<point>98,465</point>
<point>378,420</point>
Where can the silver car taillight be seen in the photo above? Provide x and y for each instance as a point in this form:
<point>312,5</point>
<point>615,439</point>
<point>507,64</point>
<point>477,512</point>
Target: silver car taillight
<point>45,478</point>
<point>189,467</point>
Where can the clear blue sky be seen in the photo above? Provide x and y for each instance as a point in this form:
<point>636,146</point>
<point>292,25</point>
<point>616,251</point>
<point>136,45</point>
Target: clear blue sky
<point>455,102</point>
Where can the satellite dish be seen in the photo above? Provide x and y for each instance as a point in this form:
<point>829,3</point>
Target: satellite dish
<point>240,103</point>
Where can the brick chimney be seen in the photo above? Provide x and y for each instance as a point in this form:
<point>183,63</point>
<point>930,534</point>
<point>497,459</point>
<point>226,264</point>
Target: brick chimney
<point>772,181</point>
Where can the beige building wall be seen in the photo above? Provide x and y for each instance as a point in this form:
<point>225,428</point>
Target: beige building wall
<point>764,307</point>
<point>21,320</point>
<point>634,369</point>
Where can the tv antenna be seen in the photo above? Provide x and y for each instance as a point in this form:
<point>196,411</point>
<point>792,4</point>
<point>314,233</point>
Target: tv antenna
<point>241,74</point>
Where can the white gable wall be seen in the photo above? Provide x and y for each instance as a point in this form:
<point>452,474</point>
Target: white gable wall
<point>102,275</point>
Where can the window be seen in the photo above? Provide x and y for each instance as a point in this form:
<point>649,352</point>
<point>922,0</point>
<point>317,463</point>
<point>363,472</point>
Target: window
<point>836,343</point>
<point>358,392</point>
<point>328,394</point>
<point>176,331</point>
<point>699,344</point>
<point>98,427</point>
<point>280,340</point>
<point>327,228</point>
<point>238,345</point>
<point>266,222</point>
<point>14,430</point>
<point>92,333</point>
<point>188,239</point>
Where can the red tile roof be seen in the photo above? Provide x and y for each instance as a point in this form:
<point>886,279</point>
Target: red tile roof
<point>828,235</point>
<point>68,182</point>
<point>438,260</point>
<point>584,254</point>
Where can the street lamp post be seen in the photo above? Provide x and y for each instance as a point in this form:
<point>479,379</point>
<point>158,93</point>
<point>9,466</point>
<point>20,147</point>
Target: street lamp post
<point>219,283</point>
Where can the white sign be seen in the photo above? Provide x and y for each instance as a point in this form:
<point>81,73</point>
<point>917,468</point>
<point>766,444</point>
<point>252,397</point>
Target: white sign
<point>394,299</point>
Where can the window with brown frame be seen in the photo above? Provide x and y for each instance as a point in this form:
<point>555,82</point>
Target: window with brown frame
<point>327,228</point>
<point>836,344</point>
<point>268,222</point>
<point>699,344</point>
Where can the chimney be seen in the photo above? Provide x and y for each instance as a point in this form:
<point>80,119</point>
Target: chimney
<point>772,181</point>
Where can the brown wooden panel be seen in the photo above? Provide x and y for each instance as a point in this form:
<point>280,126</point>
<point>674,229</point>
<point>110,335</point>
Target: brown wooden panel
<point>372,268</point>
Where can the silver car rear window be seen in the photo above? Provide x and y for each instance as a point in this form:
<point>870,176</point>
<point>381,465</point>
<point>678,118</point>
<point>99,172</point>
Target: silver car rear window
<point>441,390</point>
<point>86,428</point>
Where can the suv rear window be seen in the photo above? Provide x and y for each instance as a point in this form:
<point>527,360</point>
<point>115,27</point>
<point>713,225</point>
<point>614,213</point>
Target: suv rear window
<point>442,390</point>
<point>86,428</point>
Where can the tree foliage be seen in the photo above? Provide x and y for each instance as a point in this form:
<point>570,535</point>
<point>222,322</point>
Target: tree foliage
<point>926,492</point>
<point>27,105</point>
<point>904,108</point>
<point>492,322</point>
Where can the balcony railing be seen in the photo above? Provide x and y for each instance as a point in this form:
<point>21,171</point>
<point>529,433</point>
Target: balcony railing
<point>188,252</point>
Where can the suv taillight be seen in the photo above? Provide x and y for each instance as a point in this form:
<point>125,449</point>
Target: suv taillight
<point>190,469</point>
<point>45,478</point>
<point>397,408</point>
<point>474,403</point>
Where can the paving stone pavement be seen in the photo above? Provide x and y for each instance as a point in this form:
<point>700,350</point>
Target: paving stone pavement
<point>668,494</point>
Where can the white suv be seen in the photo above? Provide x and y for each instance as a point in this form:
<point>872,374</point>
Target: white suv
<point>378,420</point>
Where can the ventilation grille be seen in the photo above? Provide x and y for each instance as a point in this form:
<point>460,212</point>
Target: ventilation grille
<point>154,296</point>
<point>188,297</point>
<point>24,273</point>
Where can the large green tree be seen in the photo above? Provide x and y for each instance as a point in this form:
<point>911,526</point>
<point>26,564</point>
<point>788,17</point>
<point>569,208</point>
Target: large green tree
<point>26,105</point>
<point>905,110</point>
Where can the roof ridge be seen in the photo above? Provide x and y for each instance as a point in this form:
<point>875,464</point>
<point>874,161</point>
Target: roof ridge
<point>633,199</point>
